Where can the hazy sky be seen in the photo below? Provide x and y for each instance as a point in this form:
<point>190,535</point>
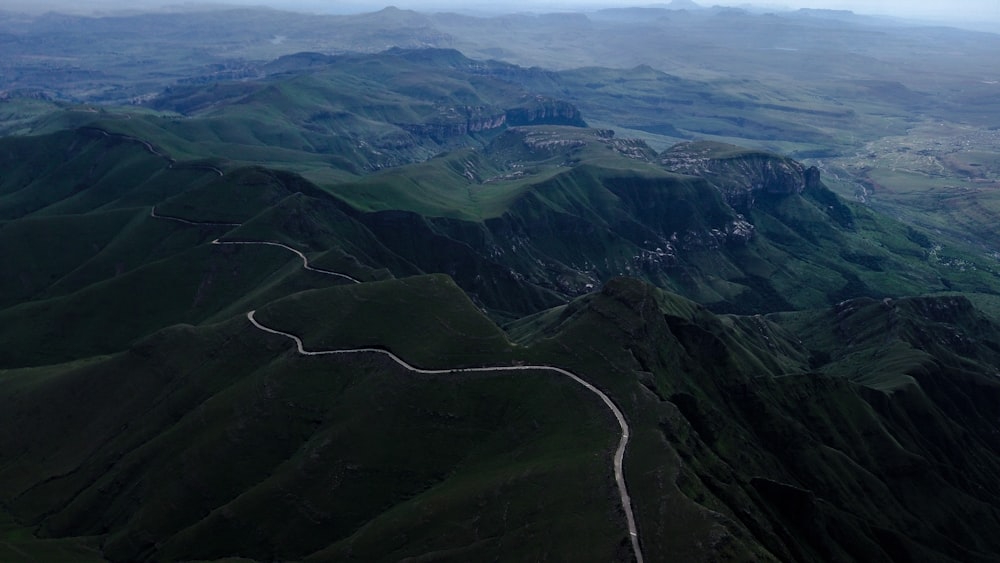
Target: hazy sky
<point>952,10</point>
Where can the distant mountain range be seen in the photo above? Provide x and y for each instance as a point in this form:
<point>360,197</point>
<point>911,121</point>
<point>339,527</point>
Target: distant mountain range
<point>504,274</point>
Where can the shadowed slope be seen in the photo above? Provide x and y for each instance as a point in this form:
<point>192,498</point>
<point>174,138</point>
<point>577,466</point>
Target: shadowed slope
<point>283,455</point>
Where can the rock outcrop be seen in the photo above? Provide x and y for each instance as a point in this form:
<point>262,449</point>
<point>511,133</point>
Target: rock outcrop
<point>457,121</point>
<point>541,110</point>
<point>742,175</point>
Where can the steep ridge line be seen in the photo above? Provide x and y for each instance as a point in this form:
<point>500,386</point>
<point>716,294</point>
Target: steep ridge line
<point>155,215</point>
<point>305,261</point>
<point>171,162</point>
<point>619,457</point>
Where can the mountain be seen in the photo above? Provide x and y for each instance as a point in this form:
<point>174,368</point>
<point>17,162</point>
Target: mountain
<point>739,430</point>
<point>414,305</point>
<point>332,118</point>
<point>535,216</point>
<point>518,235</point>
<point>272,429</point>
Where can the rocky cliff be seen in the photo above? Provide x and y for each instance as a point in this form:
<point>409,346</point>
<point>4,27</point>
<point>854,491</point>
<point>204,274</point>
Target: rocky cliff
<point>741,175</point>
<point>541,110</point>
<point>458,121</point>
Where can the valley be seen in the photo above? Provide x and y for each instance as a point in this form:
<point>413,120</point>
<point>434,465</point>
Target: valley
<point>380,288</point>
<point>939,176</point>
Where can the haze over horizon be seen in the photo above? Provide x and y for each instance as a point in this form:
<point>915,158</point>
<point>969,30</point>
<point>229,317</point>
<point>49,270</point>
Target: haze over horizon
<point>979,12</point>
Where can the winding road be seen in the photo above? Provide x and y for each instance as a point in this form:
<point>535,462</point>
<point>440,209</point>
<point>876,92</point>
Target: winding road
<point>171,162</point>
<point>619,457</point>
<point>156,215</point>
<point>305,261</point>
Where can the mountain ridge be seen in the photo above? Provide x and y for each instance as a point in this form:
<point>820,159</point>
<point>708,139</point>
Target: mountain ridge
<point>793,373</point>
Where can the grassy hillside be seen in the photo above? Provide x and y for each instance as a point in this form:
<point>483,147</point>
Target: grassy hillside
<point>258,437</point>
<point>334,118</point>
<point>739,424</point>
<point>84,170</point>
<point>354,317</point>
<point>540,215</point>
<point>801,376</point>
<point>740,437</point>
<point>740,236</point>
<point>20,545</point>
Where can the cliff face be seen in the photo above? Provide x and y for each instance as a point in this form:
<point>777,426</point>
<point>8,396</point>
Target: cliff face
<point>462,120</point>
<point>458,122</point>
<point>540,110</point>
<point>741,175</point>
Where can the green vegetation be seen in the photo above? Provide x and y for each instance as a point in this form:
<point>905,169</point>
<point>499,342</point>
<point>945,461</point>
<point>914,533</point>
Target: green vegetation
<point>456,184</point>
<point>803,377</point>
<point>285,456</point>
<point>19,545</point>
<point>353,316</point>
<point>257,433</point>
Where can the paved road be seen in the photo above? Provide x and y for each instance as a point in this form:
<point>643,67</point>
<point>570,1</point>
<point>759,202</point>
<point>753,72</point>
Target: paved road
<point>156,215</point>
<point>152,150</point>
<point>622,442</point>
<point>305,261</point>
<point>619,457</point>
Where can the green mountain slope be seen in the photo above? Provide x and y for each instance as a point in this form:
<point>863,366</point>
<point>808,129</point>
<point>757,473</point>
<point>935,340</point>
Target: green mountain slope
<point>258,435</point>
<point>337,117</point>
<point>541,215</point>
<point>741,440</point>
<point>790,385</point>
<point>741,235</point>
<point>246,449</point>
